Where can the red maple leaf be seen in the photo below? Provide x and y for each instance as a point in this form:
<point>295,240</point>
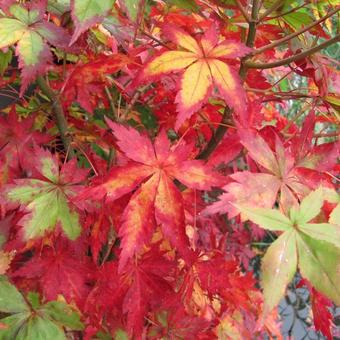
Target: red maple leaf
<point>157,198</point>
<point>62,268</point>
<point>85,82</point>
<point>292,175</point>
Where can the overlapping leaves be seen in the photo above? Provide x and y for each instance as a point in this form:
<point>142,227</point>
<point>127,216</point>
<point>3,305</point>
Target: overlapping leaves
<point>46,197</point>
<point>86,13</point>
<point>27,28</point>
<point>157,199</point>
<point>204,64</point>
<point>314,248</point>
<point>27,319</point>
<point>285,174</point>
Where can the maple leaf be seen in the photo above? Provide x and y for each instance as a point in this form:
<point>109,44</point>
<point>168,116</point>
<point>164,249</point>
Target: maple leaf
<point>148,285</point>
<point>157,199</point>
<point>313,247</point>
<point>228,282</point>
<point>204,67</point>
<point>86,13</point>
<point>17,138</point>
<point>85,81</point>
<point>321,308</point>
<point>29,319</point>
<point>292,177</point>
<point>106,297</point>
<point>175,322</point>
<point>61,269</point>
<point>5,261</point>
<point>30,32</point>
<point>47,196</point>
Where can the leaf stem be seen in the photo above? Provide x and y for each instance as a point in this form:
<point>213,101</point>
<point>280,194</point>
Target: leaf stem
<point>58,111</point>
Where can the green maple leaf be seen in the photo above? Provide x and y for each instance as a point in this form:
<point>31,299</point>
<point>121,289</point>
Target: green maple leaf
<point>26,28</point>
<point>314,248</point>
<point>29,319</point>
<point>86,13</point>
<point>47,199</point>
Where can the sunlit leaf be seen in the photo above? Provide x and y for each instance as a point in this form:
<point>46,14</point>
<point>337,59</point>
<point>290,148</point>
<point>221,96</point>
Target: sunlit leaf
<point>86,13</point>
<point>267,218</point>
<point>319,263</point>
<point>279,265</point>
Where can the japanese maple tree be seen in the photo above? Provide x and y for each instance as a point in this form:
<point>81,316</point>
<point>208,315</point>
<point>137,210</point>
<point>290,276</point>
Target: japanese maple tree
<point>168,169</point>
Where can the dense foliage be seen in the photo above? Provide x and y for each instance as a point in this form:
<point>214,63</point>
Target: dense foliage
<point>154,154</point>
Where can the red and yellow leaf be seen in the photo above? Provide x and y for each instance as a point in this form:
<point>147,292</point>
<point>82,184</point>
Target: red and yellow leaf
<point>169,213</point>
<point>203,63</point>
<point>119,181</point>
<point>170,61</point>
<point>195,85</point>
<point>138,220</point>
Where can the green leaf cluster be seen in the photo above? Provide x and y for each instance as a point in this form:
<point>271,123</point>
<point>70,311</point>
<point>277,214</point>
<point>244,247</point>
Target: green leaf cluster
<point>27,319</point>
<point>313,248</point>
<point>45,201</point>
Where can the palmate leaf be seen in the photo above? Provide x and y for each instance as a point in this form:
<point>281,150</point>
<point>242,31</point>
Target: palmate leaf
<point>284,177</point>
<point>60,269</point>
<point>267,218</point>
<point>46,201</point>
<point>28,30</point>
<point>86,13</point>
<point>204,68</point>
<point>85,82</point>
<point>34,321</point>
<point>319,262</point>
<point>312,247</point>
<point>157,199</point>
<point>333,197</point>
<point>278,268</point>
<point>335,215</point>
<point>310,207</point>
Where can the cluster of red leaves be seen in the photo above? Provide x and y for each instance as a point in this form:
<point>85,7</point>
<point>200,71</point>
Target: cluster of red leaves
<point>162,252</point>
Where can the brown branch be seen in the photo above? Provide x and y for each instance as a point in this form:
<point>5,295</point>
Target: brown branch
<point>58,111</point>
<point>217,136</point>
<point>159,42</point>
<point>294,34</point>
<point>327,135</point>
<point>296,57</point>
<point>288,12</point>
<point>291,93</point>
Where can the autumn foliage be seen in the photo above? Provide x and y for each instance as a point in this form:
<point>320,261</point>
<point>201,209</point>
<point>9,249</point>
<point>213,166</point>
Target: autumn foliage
<point>168,169</point>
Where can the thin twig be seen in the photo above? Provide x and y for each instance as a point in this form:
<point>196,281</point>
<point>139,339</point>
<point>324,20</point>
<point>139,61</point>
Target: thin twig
<point>296,117</point>
<point>243,10</point>
<point>288,12</point>
<point>296,57</point>
<point>328,135</point>
<point>112,104</point>
<point>293,35</point>
<point>271,9</point>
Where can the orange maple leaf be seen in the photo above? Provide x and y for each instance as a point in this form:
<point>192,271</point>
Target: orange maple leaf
<point>204,66</point>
